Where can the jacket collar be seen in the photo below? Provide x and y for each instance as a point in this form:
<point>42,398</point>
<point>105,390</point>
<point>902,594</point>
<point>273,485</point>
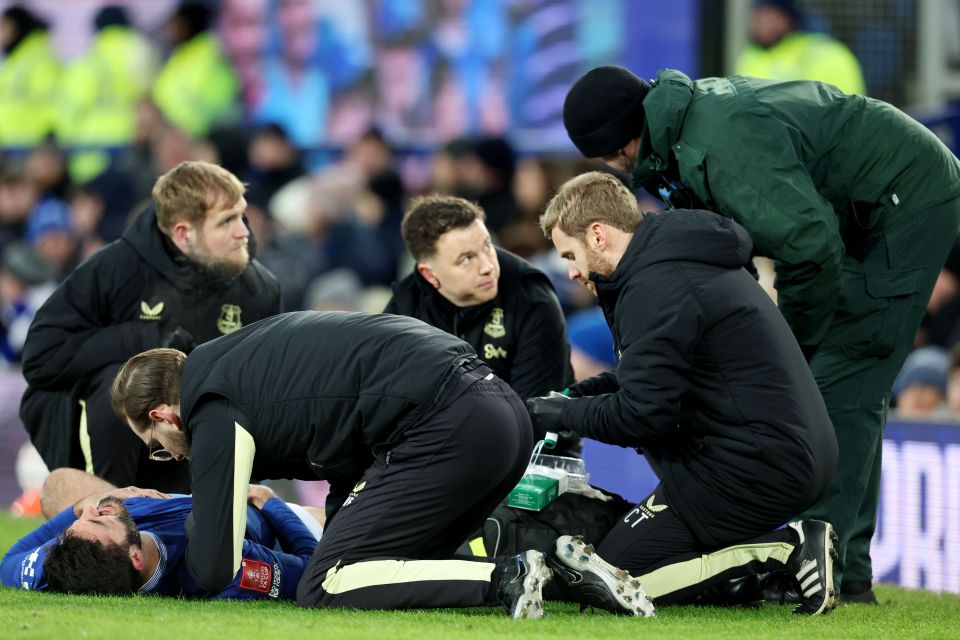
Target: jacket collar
<point>665,108</point>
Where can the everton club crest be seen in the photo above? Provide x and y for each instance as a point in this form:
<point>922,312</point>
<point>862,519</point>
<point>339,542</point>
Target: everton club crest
<point>229,319</point>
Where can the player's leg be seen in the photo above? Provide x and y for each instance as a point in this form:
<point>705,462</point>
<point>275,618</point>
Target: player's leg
<point>382,550</point>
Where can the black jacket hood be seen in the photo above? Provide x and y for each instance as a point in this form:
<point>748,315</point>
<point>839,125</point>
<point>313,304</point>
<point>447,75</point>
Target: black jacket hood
<point>682,234</point>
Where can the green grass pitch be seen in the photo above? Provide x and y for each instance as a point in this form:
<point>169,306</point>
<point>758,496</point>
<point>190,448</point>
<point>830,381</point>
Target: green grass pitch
<point>902,614</point>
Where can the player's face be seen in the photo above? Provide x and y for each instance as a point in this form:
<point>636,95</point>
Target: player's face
<point>464,265</point>
<point>581,259</point>
<point>220,244</point>
<point>108,523</point>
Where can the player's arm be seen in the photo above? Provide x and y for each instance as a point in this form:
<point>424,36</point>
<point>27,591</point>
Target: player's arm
<point>265,573</point>
<point>292,534</point>
<point>21,567</point>
<point>221,458</point>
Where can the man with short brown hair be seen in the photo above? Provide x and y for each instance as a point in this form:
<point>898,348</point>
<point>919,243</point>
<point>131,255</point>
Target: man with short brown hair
<point>180,275</point>
<point>500,304</point>
<point>710,383</point>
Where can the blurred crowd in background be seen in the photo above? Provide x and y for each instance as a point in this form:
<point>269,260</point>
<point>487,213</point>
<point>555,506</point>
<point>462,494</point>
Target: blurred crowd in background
<point>334,119</point>
<point>273,101</point>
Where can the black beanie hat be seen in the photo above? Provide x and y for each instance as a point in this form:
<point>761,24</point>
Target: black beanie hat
<point>603,111</point>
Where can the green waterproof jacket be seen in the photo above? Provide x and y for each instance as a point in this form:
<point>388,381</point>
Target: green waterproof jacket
<point>812,173</point>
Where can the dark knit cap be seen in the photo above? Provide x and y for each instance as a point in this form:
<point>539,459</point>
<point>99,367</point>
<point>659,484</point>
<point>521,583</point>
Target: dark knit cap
<point>789,7</point>
<point>603,110</point>
<point>111,16</point>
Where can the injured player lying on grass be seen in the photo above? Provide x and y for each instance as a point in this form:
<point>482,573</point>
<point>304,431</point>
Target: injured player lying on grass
<point>131,540</point>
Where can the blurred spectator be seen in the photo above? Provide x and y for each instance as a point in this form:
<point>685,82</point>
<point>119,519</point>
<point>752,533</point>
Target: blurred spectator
<point>294,259</point>
<point>402,83</point>
<point>534,181</point>
<point>781,49</point>
<point>46,170</point>
<point>450,166</point>
<point>591,344</point>
<point>351,209</point>
<point>920,390</point>
<point>468,41</point>
<point>242,26</point>
<point>296,91</point>
<point>29,77</point>
<point>17,198</point>
<point>953,381</point>
<point>492,181</point>
<point>25,282</point>
<point>99,92</point>
<point>116,199</point>
<point>231,144</point>
<point>51,235</point>
<point>196,87</point>
<point>86,213</point>
<point>273,161</point>
<point>337,290</point>
<point>135,163</point>
<point>352,110</point>
<point>941,325</point>
<point>368,239</point>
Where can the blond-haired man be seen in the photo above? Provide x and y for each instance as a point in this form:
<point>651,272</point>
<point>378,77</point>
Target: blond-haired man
<point>180,275</point>
<point>710,383</point>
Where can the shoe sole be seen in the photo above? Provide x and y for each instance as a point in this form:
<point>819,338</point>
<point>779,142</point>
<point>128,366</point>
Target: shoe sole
<point>629,593</point>
<point>830,601</point>
<point>530,604</point>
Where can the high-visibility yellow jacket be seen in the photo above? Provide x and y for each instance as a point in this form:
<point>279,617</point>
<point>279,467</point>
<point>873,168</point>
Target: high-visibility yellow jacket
<point>99,93</point>
<point>196,87</point>
<point>28,85</point>
<point>804,56</point>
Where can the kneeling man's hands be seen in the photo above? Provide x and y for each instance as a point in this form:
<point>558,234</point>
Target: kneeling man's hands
<point>545,412</point>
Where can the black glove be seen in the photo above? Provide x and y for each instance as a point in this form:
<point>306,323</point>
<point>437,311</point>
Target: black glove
<point>179,339</point>
<point>569,444</point>
<point>545,414</point>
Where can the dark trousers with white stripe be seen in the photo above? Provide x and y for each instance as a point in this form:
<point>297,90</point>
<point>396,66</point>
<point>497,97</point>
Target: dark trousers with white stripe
<point>653,544</point>
<point>390,545</point>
